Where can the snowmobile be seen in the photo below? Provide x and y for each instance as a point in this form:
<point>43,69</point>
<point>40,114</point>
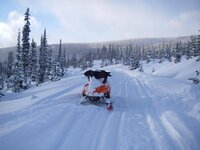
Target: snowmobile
<point>97,90</point>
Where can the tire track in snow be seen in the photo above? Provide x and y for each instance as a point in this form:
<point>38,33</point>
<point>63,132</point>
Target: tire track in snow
<point>109,137</point>
<point>77,132</point>
<point>157,133</point>
<point>120,131</point>
<point>42,106</point>
<point>132,89</point>
<point>103,132</point>
<point>152,118</point>
<point>178,131</point>
<point>133,133</point>
<point>61,129</point>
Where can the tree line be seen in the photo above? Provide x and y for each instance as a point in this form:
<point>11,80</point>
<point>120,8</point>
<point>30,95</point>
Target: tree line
<point>30,65</point>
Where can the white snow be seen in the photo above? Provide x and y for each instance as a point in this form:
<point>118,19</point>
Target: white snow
<point>152,110</point>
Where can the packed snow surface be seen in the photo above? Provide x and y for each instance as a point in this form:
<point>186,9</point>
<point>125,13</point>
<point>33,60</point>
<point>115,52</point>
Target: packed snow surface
<point>152,110</point>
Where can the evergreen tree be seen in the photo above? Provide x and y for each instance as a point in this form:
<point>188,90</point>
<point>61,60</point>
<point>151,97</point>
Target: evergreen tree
<point>83,62</point>
<point>1,86</point>
<point>33,61</point>
<point>56,71</point>
<point>1,79</point>
<point>90,59</point>
<point>45,49</point>
<point>68,63</point>
<point>1,68</point>
<point>9,69</point>
<point>188,52</point>
<point>25,49</point>
<point>46,59</point>
<point>178,52</point>
<point>168,53</point>
<point>42,65</point>
<point>60,64</point>
<point>161,53</point>
<point>18,75</point>
<point>193,45</point>
<point>10,64</point>
<point>25,43</point>
<point>135,60</point>
<point>74,61</point>
<point>198,47</point>
<point>50,65</point>
<point>64,58</point>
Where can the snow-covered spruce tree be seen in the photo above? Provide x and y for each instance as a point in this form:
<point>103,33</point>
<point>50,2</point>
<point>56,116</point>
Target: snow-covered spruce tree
<point>25,49</point>
<point>41,68</point>
<point>46,57</point>
<point>135,60</point>
<point>128,55</point>
<point>102,56</point>
<point>168,52</point>
<point>18,74</point>
<point>44,61</point>
<point>74,61</point>
<point>1,79</point>
<point>83,62</point>
<point>150,54</point>
<point>64,58</point>
<point>1,68</point>
<point>50,65</point>
<point>33,65</point>
<point>198,47</point>
<point>58,71</point>
<point>60,62</point>
<point>1,85</point>
<point>193,45</point>
<point>9,69</point>
<point>188,51</point>
<point>161,53</point>
<point>90,59</point>
<point>68,61</point>
<point>178,52</point>
<point>110,54</point>
<point>10,64</point>
<point>118,53</point>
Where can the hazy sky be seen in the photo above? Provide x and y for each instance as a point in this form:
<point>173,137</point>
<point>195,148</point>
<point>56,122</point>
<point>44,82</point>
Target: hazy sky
<point>99,20</point>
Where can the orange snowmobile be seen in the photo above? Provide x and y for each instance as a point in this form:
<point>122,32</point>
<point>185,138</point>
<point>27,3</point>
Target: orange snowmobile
<point>97,90</point>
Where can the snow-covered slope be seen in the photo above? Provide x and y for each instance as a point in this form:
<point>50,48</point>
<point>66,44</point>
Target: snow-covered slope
<point>159,110</point>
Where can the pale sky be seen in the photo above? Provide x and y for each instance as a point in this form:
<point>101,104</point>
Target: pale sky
<point>80,21</point>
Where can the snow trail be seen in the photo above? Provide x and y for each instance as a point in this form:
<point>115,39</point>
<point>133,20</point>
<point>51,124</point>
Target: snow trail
<point>144,116</point>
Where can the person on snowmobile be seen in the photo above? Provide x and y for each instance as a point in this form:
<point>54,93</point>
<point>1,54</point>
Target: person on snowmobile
<point>98,88</point>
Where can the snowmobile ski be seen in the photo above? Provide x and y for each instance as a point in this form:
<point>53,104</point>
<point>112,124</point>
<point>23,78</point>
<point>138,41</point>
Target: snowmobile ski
<point>96,100</point>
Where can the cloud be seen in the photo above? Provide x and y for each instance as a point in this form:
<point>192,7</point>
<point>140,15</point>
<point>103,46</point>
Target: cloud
<point>102,20</point>
<point>9,28</point>
<point>185,23</point>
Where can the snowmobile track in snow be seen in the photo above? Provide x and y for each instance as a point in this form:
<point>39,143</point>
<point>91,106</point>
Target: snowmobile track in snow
<point>141,119</point>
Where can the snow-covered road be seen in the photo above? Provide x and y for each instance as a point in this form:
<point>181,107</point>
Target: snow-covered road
<point>150,112</point>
